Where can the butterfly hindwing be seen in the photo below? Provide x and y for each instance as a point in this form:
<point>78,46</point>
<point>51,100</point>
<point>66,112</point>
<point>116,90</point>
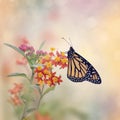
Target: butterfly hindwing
<point>79,69</point>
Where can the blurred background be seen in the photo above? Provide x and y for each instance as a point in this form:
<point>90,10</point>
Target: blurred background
<point>94,29</point>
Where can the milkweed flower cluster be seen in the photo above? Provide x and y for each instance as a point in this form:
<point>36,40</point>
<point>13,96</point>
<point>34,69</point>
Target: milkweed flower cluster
<point>47,61</point>
<point>42,65</point>
<point>29,50</point>
<point>44,73</point>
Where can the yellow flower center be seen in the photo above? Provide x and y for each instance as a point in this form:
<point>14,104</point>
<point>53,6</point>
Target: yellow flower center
<point>39,67</point>
<point>57,59</point>
<point>49,82</point>
<point>47,57</point>
<point>55,79</point>
<point>63,53</point>
<point>41,82</point>
<point>52,49</point>
<point>64,60</point>
<point>40,75</point>
<point>46,72</point>
<point>49,65</point>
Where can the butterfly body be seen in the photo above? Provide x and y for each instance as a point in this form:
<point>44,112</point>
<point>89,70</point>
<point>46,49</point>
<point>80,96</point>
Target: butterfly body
<point>79,69</point>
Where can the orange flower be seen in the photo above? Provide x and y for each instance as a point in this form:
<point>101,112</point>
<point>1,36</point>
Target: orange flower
<point>45,59</point>
<point>45,74</point>
<point>52,49</point>
<point>38,69</point>
<point>57,79</point>
<point>17,88</point>
<point>40,82</point>
<point>57,59</point>
<point>49,65</point>
<point>60,60</point>
<point>15,93</point>
<point>38,116</point>
<point>16,100</point>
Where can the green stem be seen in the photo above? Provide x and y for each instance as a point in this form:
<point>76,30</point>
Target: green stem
<point>24,112</point>
<point>25,105</point>
<point>32,76</point>
<point>41,95</point>
<point>41,92</point>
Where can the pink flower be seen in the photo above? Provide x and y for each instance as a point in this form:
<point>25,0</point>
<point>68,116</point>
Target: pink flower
<point>21,61</point>
<point>28,50</point>
<point>23,47</point>
<point>40,52</point>
<point>16,100</point>
<point>24,40</point>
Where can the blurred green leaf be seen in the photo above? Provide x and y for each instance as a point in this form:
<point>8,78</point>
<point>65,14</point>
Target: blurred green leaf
<point>16,49</point>
<point>17,75</point>
<point>41,45</point>
<point>28,94</point>
<point>32,60</point>
<point>27,98</point>
<point>18,110</point>
<point>48,90</point>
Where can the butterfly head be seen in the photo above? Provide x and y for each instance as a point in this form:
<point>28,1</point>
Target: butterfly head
<point>70,52</point>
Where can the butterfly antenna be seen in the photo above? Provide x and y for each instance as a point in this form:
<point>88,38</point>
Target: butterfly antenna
<point>66,41</point>
<point>70,42</point>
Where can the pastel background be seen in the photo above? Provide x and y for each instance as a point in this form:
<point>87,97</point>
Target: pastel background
<point>94,29</point>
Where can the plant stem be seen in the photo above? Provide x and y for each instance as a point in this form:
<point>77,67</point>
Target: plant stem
<point>40,90</point>
<point>24,112</point>
<point>32,76</point>
<point>41,95</point>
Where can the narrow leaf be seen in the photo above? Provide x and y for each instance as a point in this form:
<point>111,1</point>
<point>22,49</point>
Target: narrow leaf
<point>17,74</point>
<point>15,48</point>
<point>42,44</point>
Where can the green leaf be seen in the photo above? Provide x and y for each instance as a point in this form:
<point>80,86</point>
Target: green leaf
<point>17,75</point>
<point>48,90</point>
<point>16,49</point>
<point>18,110</point>
<point>42,44</point>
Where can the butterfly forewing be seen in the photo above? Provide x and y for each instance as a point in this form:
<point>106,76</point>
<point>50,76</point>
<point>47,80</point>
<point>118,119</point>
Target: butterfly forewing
<point>79,69</point>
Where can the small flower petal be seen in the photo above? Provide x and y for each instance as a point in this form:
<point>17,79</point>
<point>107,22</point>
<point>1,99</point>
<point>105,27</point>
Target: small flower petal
<point>52,49</point>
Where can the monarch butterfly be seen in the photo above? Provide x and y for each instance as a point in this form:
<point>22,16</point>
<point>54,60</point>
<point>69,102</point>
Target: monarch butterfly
<point>79,69</point>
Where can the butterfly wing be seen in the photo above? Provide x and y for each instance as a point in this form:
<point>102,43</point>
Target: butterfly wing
<point>79,69</point>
